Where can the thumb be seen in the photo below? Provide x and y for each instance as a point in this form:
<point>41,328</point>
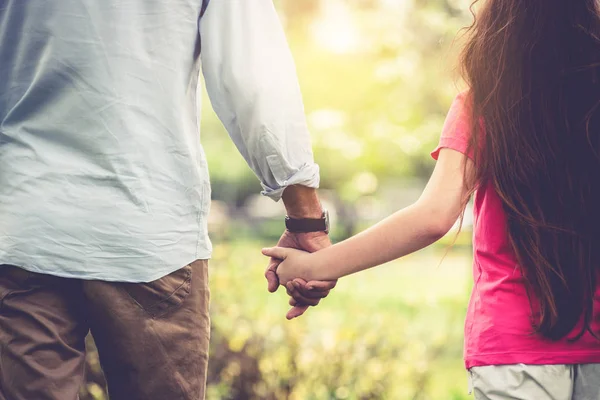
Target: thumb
<point>276,252</point>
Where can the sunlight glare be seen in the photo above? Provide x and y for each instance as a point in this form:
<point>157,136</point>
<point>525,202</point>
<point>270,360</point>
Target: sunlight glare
<point>336,29</point>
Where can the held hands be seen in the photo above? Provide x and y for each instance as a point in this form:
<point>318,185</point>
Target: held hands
<point>301,295</point>
<point>294,264</point>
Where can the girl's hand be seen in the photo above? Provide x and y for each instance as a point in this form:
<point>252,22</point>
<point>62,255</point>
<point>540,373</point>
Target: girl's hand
<point>295,264</point>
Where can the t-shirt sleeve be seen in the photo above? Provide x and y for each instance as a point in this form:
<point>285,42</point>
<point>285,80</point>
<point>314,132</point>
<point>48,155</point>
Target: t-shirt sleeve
<point>457,128</point>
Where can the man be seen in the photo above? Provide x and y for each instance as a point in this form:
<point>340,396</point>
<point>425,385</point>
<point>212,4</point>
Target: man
<point>104,188</point>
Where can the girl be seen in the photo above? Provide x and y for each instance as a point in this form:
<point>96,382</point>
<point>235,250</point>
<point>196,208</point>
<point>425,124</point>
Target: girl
<point>525,140</point>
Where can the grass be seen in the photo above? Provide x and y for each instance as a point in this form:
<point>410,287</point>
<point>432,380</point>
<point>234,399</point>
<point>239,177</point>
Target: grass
<point>406,317</point>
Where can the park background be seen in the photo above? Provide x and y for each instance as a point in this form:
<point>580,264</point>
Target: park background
<point>378,77</point>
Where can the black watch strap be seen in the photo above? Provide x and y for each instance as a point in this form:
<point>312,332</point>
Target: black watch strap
<point>306,225</point>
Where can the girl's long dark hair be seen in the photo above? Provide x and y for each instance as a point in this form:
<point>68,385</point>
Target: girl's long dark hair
<point>533,68</point>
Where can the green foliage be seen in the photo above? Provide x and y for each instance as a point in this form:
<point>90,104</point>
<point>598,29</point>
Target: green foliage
<point>377,79</point>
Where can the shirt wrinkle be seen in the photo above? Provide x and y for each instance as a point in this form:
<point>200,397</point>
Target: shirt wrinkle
<point>102,174</point>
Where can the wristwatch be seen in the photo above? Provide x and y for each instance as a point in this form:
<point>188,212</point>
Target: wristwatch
<point>306,225</point>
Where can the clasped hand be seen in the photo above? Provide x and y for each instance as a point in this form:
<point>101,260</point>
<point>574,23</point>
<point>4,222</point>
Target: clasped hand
<point>295,248</point>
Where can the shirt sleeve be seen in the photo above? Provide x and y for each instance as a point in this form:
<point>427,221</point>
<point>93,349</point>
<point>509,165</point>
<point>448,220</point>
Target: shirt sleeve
<point>457,128</point>
<point>251,80</point>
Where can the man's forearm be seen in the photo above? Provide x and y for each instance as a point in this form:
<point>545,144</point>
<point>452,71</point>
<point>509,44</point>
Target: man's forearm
<point>302,202</point>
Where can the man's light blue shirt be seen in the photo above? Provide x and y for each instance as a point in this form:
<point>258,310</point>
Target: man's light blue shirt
<point>102,175</point>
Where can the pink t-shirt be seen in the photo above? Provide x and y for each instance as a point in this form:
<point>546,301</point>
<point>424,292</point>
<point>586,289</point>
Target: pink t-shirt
<point>498,325</point>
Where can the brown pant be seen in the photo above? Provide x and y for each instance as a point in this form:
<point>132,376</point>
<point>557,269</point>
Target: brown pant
<point>152,337</point>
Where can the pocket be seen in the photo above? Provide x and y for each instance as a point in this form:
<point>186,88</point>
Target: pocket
<point>12,279</point>
<point>163,295</point>
<point>470,381</point>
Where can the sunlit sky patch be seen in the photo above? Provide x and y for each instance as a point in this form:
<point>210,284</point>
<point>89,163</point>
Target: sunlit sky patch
<point>336,29</point>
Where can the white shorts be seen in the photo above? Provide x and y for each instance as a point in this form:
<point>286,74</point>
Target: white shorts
<point>536,382</point>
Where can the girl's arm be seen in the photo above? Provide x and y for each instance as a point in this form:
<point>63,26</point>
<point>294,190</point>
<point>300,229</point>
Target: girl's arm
<point>404,232</point>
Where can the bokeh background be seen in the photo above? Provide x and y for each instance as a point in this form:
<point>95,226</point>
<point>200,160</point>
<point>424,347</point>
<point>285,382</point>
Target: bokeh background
<point>378,77</point>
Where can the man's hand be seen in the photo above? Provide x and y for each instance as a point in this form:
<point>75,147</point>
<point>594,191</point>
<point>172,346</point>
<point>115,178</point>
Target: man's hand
<point>302,296</point>
<point>301,202</point>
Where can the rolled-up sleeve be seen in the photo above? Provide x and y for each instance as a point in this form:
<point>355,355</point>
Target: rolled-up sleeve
<point>251,80</point>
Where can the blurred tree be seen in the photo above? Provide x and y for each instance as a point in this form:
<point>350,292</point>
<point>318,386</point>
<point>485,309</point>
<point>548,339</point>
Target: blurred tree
<point>377,77</point>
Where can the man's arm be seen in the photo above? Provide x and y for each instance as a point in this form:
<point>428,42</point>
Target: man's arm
<point>302,202</point>
<point>251,80</point>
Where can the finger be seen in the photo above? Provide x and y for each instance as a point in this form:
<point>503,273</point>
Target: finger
<point>291,291</point>
<point>310,294</point>
<point>302,292</point>
<point>276,252</point>
<point>273,264</point>
<point>295,289</point>
<point>271,275</point>
<point>320,285</point>
<point>289,288</point>
<point>303,296</point>
<point>296,311</point>
<point>300,281</point>
<point>303,300</point>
